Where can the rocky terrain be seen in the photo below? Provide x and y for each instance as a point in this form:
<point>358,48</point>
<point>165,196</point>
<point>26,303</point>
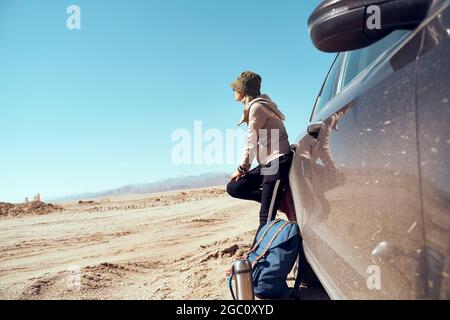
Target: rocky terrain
<point>30,208</point>
<point>174,245</point>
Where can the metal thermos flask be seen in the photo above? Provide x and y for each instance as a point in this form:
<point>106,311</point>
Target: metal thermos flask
<point>242,272</point>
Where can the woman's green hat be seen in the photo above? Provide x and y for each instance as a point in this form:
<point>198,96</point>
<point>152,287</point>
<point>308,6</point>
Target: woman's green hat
<point>248,83</point>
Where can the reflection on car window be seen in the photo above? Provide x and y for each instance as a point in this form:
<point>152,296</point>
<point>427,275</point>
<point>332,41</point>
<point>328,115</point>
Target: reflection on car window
<point>358,60</point>
<point>352,63</point>
<point>329,88</point>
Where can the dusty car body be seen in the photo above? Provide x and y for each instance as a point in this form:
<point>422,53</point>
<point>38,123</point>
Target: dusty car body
<point>371,174</point>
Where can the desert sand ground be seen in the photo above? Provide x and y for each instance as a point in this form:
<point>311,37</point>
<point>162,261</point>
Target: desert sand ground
<point>174,245</point>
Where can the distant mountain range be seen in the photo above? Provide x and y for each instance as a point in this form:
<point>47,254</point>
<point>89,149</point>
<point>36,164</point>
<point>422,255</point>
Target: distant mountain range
<point>172,184</point>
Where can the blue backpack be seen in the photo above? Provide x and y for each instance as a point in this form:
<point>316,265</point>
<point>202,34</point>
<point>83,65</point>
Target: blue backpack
<point>273,258</point>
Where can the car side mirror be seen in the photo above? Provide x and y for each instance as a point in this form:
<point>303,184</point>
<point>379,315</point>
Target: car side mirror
<point>344,25</point>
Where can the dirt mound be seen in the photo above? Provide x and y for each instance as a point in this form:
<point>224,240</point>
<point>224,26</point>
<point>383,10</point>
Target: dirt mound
<point>94,282</point>
<point>151,201</point>
<point>202,275</point>
<point>182,252</point>
<point>30,208</point>
<point>195,276</point>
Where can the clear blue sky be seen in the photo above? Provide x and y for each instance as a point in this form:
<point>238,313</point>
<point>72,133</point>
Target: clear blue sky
<point>92,109</point>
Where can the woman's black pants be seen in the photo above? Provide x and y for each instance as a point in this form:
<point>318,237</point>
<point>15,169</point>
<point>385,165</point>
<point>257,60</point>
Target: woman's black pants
<point>264,188</point>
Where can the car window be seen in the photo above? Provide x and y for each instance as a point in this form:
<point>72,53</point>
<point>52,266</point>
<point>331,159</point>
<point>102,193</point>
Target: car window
<point>330,85</point>
<point>358,60</point>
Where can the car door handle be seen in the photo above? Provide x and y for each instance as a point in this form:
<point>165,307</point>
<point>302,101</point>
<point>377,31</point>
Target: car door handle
<point>315,127</point>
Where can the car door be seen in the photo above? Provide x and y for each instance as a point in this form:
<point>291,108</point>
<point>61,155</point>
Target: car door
<point>358,196</point>
<point>433,118</point>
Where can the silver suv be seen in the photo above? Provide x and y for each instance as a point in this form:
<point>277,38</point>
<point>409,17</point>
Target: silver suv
<point>371,174</point>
